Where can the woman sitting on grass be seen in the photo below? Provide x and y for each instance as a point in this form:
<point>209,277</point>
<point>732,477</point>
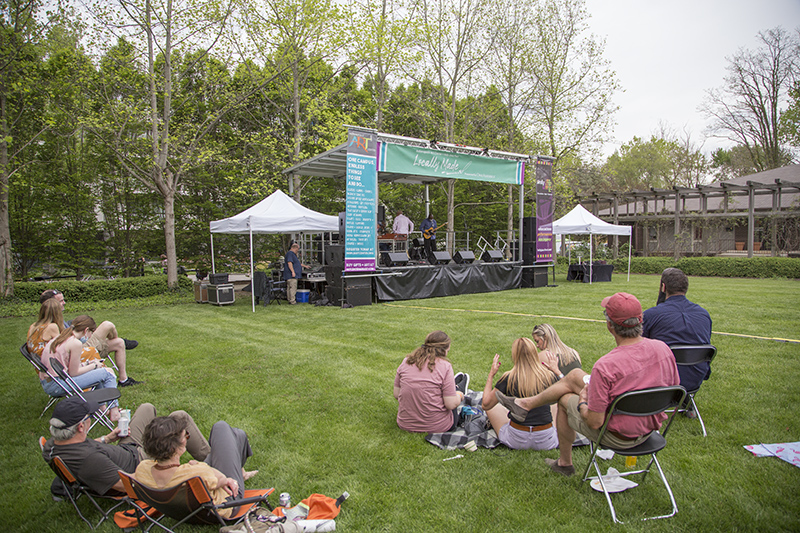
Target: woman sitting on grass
<point>546,339</point>
<point>68,349</point>
<point>48,326</point>
<point>527,377</point>
<point>425,388</point>
<point>164,440</point>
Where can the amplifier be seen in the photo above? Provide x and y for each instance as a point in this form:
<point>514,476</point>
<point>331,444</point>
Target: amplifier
<point>221,294</point>
<point>217,279</point>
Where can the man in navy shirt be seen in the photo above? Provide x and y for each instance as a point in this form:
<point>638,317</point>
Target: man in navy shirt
<point>678,321</point>
<point>292,271</point>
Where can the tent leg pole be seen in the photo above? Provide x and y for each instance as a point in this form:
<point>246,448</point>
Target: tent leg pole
<point>252,278</point>
<point>213,269</point>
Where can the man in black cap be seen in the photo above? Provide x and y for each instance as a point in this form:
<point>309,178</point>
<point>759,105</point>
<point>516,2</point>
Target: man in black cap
<point>95,462</point>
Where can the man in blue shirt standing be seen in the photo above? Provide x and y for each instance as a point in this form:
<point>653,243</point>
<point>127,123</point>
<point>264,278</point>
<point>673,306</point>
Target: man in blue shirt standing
<point>292,271</point>
<point>428,229</point>
<point>678,321</point>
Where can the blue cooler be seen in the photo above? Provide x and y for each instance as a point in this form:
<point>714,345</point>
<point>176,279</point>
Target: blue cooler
<point>303,296</point>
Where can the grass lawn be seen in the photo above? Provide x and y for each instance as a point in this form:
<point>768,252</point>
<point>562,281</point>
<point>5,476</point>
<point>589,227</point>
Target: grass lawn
<point>312,386</point>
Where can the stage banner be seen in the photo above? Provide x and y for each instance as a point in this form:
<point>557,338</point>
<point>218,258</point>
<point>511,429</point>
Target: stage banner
<point>544,210</point>
<point>417,161</point>
<point>362,201</point>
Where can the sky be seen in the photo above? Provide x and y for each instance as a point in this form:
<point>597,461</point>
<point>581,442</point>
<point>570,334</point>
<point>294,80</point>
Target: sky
<point>667,54</point>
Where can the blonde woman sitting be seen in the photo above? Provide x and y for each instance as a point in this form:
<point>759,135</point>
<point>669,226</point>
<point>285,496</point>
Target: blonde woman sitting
<point>527,376</point>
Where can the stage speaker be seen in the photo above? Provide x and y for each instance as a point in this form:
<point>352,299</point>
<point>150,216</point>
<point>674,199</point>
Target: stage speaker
<point>342,217</point>
<point>492,256</point>
<point>528,253</point>
<point>439,258</point>
<point>534,277</point>
<point>464,256</point>
<point>529,228</point>
<point>394,259</point>
<point>334,255</point>
<point>382,215</point>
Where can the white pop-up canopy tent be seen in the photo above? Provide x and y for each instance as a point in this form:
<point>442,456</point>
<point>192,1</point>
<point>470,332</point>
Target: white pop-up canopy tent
<point>277,213</point>
<point>579,221</point>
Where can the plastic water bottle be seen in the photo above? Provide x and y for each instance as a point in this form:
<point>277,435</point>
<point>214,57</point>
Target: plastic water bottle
<point>124,422</point>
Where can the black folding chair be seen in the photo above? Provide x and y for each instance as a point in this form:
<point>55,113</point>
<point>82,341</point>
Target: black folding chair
<point>37,364</point>
<point>645,402</point>
<point>74,490</point>
<point>101,396</point>
<point>691,355</point>
<point>276,291</point>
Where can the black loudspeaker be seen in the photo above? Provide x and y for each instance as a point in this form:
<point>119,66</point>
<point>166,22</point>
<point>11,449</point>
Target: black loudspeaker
<point>394,259</point>
<point>357,292</point>
<point>382,215</point>
<point>534,277</point>
<point>528,253</point>
<point>529,228</point>
<point>334,256</point>
<point>492,256</point>
<point>464,256</point>
<point>342,217</point>
<point>439,258</point>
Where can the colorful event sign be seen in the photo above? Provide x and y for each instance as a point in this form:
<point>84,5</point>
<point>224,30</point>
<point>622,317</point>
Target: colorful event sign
<point>417,161</point>
<point>362,201</point>
<point>544,210</point>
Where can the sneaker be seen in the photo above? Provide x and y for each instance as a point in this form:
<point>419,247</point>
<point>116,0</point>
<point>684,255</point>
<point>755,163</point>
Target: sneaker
<point>130,345</point>
<point>563,470</point>
<point>462,382</point>
<point>518,413</point>
<point>128,382</point>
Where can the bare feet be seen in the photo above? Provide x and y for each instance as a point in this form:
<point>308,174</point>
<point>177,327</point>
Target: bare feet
<point>247,475</point>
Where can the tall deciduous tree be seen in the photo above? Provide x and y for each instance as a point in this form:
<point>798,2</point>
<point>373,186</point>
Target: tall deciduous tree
<point>746,110</point>
<point>164,29</point>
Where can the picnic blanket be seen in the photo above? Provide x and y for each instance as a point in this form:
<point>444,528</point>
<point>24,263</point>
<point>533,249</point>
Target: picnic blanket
<point>473,425</point>
<point>788,451</point>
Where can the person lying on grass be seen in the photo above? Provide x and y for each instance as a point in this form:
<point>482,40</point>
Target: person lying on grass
<point>425,388</point>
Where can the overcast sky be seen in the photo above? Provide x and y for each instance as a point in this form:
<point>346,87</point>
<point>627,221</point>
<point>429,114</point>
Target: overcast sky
<point>668,53</point>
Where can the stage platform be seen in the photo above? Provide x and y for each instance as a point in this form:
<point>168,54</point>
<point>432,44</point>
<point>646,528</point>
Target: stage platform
<point>430,281</point>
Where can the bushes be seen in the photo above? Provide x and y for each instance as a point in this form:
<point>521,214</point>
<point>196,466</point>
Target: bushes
<point>100,290</point>
<point>725,267</point>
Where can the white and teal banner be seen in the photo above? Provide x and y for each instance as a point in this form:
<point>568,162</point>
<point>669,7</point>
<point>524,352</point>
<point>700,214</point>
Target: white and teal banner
<point>416,161</point>
<point>362,201</point>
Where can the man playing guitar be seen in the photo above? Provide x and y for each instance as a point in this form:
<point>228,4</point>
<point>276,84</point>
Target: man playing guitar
<point>428,229</point>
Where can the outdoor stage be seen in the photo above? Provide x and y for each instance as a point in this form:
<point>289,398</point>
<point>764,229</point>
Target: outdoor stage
<point>432,281</point>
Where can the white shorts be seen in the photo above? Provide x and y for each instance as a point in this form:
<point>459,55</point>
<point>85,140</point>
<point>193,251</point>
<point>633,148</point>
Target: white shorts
<point>528,440</point>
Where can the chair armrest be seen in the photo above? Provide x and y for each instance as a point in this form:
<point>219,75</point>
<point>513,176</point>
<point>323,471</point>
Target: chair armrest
<point>245,501</point>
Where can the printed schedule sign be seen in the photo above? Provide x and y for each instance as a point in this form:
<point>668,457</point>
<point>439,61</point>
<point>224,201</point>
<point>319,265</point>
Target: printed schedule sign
<point>362,201</point>
<point>544,210</point>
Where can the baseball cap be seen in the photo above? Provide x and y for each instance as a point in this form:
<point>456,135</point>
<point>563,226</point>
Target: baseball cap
<point>72,410</point>
<point>622,306</point>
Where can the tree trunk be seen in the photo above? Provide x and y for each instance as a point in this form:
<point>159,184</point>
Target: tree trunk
<point>6,266</point>
<point>169,238</point>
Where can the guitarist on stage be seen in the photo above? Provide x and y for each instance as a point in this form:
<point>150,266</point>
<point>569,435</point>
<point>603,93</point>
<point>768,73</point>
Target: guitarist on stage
<point>428,229</point>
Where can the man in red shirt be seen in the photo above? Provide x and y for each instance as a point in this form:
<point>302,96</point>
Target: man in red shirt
<point>583,399</point>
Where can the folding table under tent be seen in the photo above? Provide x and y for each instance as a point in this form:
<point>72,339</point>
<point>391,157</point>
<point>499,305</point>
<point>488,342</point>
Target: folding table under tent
<point>579,221</point>
<point>277,213</point>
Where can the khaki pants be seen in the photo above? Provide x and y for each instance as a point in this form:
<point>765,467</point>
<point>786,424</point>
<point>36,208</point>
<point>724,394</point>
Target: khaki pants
<point>291,290</point>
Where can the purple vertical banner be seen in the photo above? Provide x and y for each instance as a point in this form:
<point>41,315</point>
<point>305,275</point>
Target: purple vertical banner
<point>544,210</point>
<point>362,200</point>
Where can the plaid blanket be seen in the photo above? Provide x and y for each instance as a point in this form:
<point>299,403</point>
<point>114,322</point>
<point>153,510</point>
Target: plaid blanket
<point>471,427</point>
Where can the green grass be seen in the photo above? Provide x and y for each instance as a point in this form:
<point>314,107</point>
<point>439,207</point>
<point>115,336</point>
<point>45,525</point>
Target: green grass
<point>313,388</point>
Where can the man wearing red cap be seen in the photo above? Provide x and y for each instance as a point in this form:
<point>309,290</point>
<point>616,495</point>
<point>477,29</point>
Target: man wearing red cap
<point>636,363</point>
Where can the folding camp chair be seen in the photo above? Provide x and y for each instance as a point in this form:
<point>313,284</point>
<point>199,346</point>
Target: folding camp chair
<point>37,364</point>
<point>101,396</point>
<point>645,402</point>
<point>74,490</point>
<point>189,502</point>
<point>690,355</point>
<point>276,290</point>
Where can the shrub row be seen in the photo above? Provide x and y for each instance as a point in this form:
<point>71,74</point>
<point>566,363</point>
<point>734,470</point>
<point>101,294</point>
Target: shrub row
<point>100,290</point>
<point>724,267</point>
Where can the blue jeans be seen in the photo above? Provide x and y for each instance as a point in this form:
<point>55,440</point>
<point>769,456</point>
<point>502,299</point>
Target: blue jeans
<point>100,377</point>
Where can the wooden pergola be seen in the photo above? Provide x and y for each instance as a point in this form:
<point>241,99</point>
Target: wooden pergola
<point>755,196</point>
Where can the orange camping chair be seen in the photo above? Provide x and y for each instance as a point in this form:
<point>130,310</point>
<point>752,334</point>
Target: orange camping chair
<point>189,502</point>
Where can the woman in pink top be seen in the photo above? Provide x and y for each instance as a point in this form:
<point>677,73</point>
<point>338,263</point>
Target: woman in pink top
<point>67,349</point>
<point>425,388</point>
